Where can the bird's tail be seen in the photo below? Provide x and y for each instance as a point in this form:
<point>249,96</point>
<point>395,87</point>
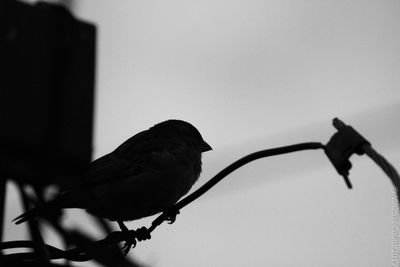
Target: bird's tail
<point>50,210</point>
<point>30,214</point>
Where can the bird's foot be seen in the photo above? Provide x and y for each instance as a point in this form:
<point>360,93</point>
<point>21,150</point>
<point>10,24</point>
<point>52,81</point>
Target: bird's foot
<point>132,235</point>
<point>130,241</point>
<point>170,214</point>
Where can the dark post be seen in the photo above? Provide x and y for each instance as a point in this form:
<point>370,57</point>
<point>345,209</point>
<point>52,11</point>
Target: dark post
<point>47,70</point>
<point>47,87</point>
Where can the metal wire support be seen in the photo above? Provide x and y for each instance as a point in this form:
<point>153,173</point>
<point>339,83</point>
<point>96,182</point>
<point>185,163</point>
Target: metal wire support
<point>377,158</point>
<point>339,149</point>
<point>171,213</point>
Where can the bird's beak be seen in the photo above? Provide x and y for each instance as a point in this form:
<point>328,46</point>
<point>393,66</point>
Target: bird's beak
<point>205,147</point>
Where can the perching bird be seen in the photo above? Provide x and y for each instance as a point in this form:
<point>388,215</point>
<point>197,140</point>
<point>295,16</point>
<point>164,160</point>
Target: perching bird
<point>145,175</point>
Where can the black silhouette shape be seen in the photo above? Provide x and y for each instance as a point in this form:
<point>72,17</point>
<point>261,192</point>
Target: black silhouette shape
<point>342,145</point>
<point>47,93</point>
<point>145,175</point>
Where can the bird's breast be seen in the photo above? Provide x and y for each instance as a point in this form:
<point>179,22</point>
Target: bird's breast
<point>159,186</point>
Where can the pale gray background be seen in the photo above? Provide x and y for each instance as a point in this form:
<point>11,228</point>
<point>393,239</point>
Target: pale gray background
<point>253,75</point>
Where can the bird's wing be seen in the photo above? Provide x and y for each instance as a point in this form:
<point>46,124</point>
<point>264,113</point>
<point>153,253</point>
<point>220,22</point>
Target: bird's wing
<point>137,154</point>
<point>135,196</point>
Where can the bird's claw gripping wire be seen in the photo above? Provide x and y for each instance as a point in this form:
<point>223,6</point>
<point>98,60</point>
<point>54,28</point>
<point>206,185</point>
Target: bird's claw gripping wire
<point>131,236</point>
<point>170,214</point>
<point>130,241</point>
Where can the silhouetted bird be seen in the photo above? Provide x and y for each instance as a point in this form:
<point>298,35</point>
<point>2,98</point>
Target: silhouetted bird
<point>145,175</point>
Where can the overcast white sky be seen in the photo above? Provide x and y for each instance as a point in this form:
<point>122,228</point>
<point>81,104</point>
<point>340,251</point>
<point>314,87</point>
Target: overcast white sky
<point>253,75</point>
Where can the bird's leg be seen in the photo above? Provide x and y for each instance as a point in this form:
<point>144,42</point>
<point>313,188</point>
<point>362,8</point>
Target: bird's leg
<point>122,226</point>
<point>129,241</point>
<point>131,235</point>
<point>170,214</point>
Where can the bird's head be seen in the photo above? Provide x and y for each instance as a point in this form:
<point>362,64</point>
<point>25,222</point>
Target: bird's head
<point>182,130</point>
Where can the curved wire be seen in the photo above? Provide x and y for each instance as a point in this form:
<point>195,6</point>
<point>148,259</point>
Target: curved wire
<point>232,167</point>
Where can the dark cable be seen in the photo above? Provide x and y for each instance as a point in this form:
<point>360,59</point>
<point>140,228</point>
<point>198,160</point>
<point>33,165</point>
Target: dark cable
<point>234,166</point>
